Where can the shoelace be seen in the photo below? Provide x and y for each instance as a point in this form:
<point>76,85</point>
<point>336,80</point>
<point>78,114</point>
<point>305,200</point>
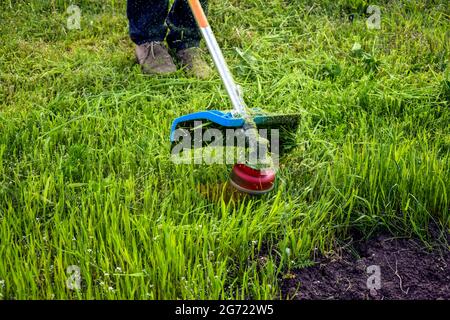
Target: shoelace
<point>151,46</point>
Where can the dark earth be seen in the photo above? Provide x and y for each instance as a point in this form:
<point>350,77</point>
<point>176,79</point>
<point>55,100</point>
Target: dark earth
<point>408,271</point>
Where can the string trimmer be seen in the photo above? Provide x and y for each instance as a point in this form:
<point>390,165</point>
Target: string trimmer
<point>246,177</point>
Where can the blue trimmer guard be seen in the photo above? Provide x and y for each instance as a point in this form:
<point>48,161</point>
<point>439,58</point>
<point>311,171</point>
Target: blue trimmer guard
<point>223,119</point>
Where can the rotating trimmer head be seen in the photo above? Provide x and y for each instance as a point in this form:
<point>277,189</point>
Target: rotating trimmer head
<point>252,181</point>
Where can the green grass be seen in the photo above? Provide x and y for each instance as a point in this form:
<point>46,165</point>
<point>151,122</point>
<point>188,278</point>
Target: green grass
<point>85,171</point>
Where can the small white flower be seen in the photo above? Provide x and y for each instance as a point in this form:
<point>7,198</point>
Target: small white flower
<point>110,288</point>
<point>89,250</point>
<point>288,251</point>
<point>254,242</point>
<point>2,283</point>
<point>118,269</point>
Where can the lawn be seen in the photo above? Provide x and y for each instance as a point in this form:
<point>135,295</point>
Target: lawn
<point>87,186</point>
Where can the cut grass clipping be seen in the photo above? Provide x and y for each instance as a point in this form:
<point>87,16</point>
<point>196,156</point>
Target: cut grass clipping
<point>85,173</point>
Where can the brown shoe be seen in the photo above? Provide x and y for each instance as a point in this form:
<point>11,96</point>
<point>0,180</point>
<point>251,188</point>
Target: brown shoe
<point>195,65</point>
<point>154,58</point>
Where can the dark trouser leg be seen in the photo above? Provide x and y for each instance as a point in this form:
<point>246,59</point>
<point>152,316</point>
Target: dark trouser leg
<point>147,20</point>
<point>184,32</point>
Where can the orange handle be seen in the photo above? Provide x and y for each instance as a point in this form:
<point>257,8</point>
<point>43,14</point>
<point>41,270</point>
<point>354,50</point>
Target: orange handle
<point>199,13</point>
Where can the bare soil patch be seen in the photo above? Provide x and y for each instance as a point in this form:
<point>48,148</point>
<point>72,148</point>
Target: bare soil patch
<point>408,271</point>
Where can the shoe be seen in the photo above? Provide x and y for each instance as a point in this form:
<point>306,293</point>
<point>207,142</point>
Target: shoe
<point>191,59</point>
<point>154,58</point>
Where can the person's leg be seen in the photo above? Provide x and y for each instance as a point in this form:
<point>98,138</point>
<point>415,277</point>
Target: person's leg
<point>184,37</point>
<point>148,30</point>
<point>184,32</point>
<point>147,20</point>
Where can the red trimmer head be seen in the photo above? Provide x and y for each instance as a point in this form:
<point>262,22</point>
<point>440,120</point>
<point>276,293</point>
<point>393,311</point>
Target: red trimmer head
<point>252,181</point>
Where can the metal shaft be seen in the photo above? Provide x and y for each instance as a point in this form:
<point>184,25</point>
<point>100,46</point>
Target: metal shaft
<point>218,58</point>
